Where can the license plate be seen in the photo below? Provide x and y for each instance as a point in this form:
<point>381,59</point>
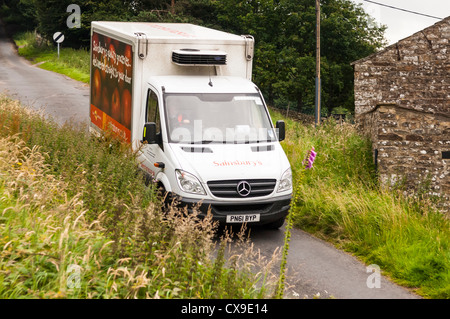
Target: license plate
<point>248,218</point>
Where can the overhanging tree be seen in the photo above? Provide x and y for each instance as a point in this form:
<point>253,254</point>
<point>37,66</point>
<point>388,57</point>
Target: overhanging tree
<point>286,28</point>
<point>284,31</point>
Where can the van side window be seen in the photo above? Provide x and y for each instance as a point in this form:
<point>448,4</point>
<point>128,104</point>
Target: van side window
<point>153,110</point>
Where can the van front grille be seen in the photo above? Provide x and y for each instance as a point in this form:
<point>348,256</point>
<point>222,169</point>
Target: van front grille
<point>247,188</point>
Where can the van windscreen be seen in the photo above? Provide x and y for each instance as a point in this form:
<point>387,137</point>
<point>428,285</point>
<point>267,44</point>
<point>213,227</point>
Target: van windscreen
<point>217,118</point>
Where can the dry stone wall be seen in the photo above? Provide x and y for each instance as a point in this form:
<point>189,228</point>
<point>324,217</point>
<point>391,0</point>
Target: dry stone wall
<point>402,101</point>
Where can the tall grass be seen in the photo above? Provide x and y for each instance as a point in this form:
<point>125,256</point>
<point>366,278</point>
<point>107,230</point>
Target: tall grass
<point>340,200</point>
<point>77,221</point>
<point>73,63</point>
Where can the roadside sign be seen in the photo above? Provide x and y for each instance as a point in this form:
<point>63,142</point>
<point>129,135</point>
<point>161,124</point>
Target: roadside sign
<point>58,37</point>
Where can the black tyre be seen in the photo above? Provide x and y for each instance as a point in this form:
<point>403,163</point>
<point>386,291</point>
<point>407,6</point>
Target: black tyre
<point>276,224</point>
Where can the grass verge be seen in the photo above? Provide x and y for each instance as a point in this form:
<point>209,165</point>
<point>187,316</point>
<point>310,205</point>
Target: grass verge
<point>71,62</point>
<point>77,221</point>
<point>340,200</point>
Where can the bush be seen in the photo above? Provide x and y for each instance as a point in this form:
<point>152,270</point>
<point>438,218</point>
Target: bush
<point>73,63</point>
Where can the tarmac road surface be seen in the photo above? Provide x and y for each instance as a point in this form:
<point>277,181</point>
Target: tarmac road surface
<point>314,266</point>
<point>57,95</point>
<point>317,269</point>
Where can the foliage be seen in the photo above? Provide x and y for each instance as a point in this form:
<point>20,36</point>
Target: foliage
<point>307,164</point>
<point>18,15</point>
<point>340,200</point>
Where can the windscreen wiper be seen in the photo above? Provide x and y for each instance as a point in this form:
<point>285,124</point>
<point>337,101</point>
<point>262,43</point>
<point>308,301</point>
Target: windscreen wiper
<point>203,142</point>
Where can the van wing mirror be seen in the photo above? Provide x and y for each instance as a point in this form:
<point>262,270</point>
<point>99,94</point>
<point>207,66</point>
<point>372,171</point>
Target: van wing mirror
<point>281,130</point>
<point>149,134</point>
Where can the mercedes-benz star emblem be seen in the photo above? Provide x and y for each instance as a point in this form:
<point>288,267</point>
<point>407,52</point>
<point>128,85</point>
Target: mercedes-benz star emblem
<point>243,188</point>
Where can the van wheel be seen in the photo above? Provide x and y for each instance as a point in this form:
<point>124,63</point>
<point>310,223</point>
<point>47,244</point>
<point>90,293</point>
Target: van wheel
<point>162,193</point>
<point>276,224</point>
<point>166,198</point>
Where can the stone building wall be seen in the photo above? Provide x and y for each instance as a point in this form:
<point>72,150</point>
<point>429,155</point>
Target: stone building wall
<point>402,101</point>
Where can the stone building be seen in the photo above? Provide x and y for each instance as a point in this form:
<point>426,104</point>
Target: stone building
<point>402,101</point>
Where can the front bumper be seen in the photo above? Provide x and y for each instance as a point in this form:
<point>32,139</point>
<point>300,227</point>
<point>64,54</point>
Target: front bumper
<point>270,210</point>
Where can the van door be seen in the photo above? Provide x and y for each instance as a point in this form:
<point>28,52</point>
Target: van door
<point>153,153</point>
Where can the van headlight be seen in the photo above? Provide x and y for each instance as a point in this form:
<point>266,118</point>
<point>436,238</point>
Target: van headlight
<point>189,183</point>
<point>285,181</point>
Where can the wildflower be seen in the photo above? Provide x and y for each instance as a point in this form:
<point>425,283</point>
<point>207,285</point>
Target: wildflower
<point>309,160</point>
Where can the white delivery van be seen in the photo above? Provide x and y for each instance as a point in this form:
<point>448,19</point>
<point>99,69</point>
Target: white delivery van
<point>182,95</point>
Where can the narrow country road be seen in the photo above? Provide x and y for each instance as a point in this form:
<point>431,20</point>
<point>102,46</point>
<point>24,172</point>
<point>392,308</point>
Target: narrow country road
<point>57,95</point>
<point>314,267</point>
<point>318,269</point>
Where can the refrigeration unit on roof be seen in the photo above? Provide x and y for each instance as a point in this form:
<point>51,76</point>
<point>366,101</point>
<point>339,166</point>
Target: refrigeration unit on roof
<point>199,57</point>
